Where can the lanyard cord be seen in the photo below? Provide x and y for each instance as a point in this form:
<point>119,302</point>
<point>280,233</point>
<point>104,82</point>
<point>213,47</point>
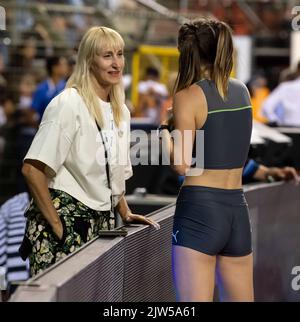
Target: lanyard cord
<point>106,166</point>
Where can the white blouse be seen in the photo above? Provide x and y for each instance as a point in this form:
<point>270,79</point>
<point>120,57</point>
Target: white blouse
<point>69,143</point>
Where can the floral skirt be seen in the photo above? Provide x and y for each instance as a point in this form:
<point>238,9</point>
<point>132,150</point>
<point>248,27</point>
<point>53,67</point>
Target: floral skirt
<point>80,224</point>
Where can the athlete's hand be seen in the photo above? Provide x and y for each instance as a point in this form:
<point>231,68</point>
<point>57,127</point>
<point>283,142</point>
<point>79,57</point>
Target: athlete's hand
<point>170,119</point>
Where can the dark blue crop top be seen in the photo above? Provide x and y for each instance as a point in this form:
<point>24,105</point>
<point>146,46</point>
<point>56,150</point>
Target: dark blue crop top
<point>227,130</point>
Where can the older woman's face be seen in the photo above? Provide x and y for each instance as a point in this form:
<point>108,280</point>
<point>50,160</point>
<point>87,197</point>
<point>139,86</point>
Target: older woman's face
<point>108,66</point>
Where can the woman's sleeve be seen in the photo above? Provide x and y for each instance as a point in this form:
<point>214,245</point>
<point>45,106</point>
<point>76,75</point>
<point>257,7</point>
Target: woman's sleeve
<point>56,133</point>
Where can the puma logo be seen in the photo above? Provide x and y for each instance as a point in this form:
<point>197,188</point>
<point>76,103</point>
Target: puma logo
<point>175,235</point>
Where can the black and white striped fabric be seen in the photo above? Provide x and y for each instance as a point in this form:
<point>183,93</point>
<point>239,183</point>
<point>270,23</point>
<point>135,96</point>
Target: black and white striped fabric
<point>12,226</point>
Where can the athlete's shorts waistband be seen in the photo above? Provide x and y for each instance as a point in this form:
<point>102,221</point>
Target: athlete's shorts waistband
<point>212,189</point>
<point>198,194</point>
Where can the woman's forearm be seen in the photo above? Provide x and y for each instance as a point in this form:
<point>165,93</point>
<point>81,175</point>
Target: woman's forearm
<point>38,186</point>
<point>123,208</point>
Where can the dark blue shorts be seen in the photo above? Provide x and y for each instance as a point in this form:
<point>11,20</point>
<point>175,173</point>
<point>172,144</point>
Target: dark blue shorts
<point>212,221</point>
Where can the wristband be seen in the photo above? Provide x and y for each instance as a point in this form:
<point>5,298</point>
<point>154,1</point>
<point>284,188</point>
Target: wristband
<point>163,127</point>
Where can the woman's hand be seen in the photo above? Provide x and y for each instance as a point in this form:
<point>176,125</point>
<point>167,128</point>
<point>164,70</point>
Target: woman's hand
<point>139,219</point>
<point>58,230</point>
<point>129,218</point>
<point>34,173</point>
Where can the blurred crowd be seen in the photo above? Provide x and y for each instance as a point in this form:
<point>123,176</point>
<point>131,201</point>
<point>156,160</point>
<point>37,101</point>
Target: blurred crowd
<point>280,106</point>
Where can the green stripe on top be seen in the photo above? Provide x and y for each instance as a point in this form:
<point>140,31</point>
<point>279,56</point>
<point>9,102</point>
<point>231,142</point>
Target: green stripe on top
<point>230,109</point>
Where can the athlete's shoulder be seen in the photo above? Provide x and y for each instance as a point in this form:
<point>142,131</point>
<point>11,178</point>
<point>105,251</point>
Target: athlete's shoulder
<point>189,101</point>
<point>190,94</point>
<point>236,83</point>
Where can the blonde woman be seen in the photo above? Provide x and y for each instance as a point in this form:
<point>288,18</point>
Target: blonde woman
<point>73,188</point>
<point>211,232</point>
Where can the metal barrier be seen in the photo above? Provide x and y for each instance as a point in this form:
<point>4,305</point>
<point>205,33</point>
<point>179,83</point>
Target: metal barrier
<point>138,267</point>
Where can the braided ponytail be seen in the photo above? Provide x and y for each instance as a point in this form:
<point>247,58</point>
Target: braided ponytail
<point>223,62</point>
<point>205,44</point>
<point>189,59</point>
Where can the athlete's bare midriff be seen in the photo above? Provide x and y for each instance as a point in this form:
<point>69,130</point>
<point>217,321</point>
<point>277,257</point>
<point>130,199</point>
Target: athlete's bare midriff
<point>223,179</point>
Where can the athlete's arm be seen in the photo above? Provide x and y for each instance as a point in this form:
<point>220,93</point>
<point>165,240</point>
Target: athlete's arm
<point>189,110</point>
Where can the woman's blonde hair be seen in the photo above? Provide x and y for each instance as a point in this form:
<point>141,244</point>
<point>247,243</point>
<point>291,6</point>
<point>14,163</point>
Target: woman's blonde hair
<point>93,42</point>
<point>205,43</point>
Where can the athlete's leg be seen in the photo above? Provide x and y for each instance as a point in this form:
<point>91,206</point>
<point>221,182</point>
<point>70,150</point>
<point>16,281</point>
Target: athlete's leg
<point>193,274</point>
<point>235,278</point>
